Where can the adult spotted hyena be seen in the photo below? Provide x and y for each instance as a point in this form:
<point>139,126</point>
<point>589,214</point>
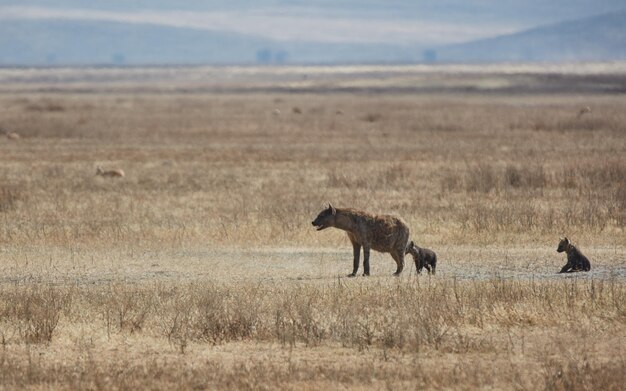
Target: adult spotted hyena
<point>383,233</point>
<point>576,261</point>
<point>423,258</point>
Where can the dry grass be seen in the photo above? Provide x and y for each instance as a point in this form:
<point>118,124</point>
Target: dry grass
<point>200,269</point>
<point>255,178</point>
<point>553,335</point>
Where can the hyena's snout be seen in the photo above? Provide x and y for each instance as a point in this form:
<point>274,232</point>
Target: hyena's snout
<point>319,225</point>
<point>325,219</point>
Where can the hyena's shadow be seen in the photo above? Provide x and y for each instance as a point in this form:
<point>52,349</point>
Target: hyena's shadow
<point>329,277</point>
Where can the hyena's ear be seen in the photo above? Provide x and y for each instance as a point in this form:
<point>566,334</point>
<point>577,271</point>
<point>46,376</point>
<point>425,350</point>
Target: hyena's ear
<point>566,241</point>
<point>332,209</point>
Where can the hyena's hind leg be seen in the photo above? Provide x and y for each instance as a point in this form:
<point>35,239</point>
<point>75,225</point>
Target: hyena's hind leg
<point>586,265</point>
<point>433,265</point>
<point>398,256</point>
<point>366,260</point>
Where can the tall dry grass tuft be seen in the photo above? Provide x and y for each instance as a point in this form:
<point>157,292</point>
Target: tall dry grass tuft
<point>126,310</point>
<point>417,319</point>
<point>519,197</point>
<point>525,177</point>
<point>391,315</point>
<point>372,117</point>
<point>619,208</point>
<point>581,374</point>
<point>33,312</point>
<point>10,196</point>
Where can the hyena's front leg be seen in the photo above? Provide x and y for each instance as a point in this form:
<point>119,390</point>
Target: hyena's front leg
<point>422,263</point>
<point>366,261</point>
<point>566,268</point>
<point>356,249</point>
<point>418,266</point>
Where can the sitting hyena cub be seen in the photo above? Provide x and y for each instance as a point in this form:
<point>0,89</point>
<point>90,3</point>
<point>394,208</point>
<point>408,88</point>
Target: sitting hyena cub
<point>423,257</point>
<point>576,261</point>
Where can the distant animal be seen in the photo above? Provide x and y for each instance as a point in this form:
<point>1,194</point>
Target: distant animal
<point>10,135</point>
<point>423,257</point>
<point>117,173</point>
<point>583,111</point>
<point>296,110</point>
<point>383,233</point>
<point>576,261</point>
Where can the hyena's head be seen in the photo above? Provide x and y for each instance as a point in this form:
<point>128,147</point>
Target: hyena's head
<point>326,218</point>
<point>563,245</point>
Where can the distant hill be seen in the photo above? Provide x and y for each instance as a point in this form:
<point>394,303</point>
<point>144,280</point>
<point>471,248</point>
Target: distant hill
<point>92,42</point>
<point>72,42</point>
<point>590,39</point>
<point>50,42</point>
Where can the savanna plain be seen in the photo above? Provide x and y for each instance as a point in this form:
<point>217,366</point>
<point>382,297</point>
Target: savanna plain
<point>200,267</point>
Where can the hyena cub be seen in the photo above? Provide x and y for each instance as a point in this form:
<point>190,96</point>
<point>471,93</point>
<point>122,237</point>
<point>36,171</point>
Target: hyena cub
<point>423,257</point>
<point>576,261</point>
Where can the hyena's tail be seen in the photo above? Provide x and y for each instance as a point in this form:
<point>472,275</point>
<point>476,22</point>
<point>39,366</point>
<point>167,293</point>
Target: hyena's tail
<point>408,247</point>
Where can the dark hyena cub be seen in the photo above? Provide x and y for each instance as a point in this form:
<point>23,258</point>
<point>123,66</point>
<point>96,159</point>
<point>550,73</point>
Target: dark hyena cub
<point>423,257</point>
<point>576,261</point>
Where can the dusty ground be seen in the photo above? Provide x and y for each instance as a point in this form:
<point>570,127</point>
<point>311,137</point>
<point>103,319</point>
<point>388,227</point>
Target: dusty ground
<point>323,265</point>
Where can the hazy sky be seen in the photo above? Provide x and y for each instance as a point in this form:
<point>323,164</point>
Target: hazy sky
<point>282,26</point>
<point>432,22</point>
